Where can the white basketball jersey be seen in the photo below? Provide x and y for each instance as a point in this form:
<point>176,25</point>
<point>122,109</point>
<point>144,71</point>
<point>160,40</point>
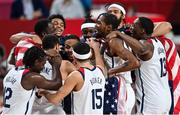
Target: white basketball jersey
<point>90,98</point>
<point>112,61</point>
<point>153,93</point>
<point>41,105</point>
<point>17,100</point>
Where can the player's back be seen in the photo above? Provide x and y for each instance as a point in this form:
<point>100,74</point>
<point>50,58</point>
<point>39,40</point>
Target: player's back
<point>153,93</point>
<point>17,100</point>
<point>89,99</point>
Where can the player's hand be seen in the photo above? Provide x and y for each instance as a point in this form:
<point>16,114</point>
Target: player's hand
<point>42,92</point>
<point>53,56</point>
<point>93,44</point>
<point>113,34</point>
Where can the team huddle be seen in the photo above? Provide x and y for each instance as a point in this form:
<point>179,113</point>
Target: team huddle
<point>114,68</point>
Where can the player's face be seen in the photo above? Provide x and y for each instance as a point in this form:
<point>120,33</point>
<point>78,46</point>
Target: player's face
<point>50,29</point>
<point>88,32</point>
<point>58,25</point>
<point>137,29</point>
<point>39,64</point>
<point>68,47</point>
<point>115,11</point>
<point>101,26</point>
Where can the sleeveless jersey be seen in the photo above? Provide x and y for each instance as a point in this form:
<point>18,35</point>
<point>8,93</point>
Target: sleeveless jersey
<point>153,92</point>
<point>17,100</point>
<point>112,61</point>
<point>41,105</point>
<point>89,99</point>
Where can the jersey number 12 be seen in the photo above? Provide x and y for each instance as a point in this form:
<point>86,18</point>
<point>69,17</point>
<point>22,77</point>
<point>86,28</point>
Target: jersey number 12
<point>7,96</point>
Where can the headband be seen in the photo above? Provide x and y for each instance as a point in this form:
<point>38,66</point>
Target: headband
<point>88,25</point>
<point>119,7</point>
<point>81,56</point>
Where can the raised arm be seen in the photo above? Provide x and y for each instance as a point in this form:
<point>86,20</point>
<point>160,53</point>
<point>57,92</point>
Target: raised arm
<point>15,38</point>
<point>161,28</point>
<point>98,58</point>
<point>143,49</point>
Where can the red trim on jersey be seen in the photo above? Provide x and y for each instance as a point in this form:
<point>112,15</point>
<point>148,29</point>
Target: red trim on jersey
<point>149,40</point>
<point>81,69</point>
<point>25,71</point>
<point>19,63</point>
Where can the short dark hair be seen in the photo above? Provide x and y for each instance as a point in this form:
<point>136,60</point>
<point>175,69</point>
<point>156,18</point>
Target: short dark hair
<point>110,19</point>
<point>81,48</point>
<point>31,55</point>
<point>71,36</point>
<point>49,41</point>
<point>41,27</point>
<point>59,16</point>
<point>147,25</point>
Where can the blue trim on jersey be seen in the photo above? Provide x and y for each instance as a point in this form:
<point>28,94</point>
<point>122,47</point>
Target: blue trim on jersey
<point>89,68</point>
<point>143,94</point>
<point>27,106</point>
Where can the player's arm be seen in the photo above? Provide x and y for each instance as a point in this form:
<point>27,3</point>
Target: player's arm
<point>15,38</point>
<point>70,84</point>
<point>33,79</point>
<point>131,61</point>
<point>161,28</point>
<point>98,58</point>
<point>143,49</point>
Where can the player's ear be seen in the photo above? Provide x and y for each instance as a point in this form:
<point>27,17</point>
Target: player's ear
<point>109,28</point>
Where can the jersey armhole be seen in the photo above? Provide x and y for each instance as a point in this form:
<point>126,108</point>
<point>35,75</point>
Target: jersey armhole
<point>100,68</point>
<point>81,70</point>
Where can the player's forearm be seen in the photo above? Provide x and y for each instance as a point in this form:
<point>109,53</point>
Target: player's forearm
<point>135,45</point>
<point>127,66</point>
<point>57,75</point>
<point>52,97</point>
<point>161,28</point>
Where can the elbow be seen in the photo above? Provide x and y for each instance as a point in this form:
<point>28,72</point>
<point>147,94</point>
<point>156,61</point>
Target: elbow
<point>11,39</point>
<point>169,26</point>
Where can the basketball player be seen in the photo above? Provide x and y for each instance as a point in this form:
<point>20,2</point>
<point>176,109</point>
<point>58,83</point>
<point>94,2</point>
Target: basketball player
<point>161,28</point>
<point>88,28</point>
<point>50,43</point>
<point>87,84</point>
<point>19,84</point>
<point>153,93</point>
<point>118,59</point>
<point>117,9</point>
